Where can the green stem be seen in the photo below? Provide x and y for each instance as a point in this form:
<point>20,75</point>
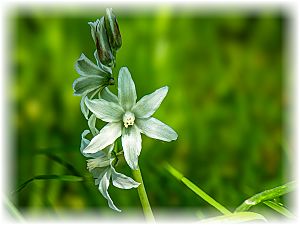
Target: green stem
<point>143,196</point>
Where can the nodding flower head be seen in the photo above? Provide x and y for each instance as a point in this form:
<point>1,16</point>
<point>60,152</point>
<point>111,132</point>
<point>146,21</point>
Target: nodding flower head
<point>93,80</point>
<point>97,162</point>
<point>100,165</point>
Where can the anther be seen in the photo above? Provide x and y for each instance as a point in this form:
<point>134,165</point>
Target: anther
<point>128,119</point>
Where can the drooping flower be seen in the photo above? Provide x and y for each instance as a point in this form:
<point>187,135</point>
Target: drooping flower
<point>92,81</point>
<point>128,119</point>
<point>100,165</point>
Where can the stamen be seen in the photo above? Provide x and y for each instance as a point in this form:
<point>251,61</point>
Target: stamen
<point>128,119</point>
<point>97,162</point>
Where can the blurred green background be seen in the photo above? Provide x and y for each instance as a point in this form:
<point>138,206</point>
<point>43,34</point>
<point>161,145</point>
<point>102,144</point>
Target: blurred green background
<point>226,73</point>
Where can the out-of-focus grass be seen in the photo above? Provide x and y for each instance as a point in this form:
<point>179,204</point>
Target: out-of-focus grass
<point>226,101</point>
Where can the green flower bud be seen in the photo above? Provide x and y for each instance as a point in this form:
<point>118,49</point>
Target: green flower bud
<point>100,38</point>
<point>112,28</point>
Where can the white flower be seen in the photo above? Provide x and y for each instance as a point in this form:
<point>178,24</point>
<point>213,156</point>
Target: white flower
<point>100,165</point>
<point>92,76</point>
<point>128,118</point>
<point>92,81</point>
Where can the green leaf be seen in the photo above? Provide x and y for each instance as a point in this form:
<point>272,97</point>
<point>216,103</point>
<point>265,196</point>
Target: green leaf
<point>197,190</point>
<point>238,217</point>
<point>49,177</point>
<point>62,162</point>
<point>280,209</point>
<point>266,195</point>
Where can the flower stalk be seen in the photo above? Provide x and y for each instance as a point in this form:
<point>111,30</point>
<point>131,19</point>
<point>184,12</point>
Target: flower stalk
<point>143,196</point>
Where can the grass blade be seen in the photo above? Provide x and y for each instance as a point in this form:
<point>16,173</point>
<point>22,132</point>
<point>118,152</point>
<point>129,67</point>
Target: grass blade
<point>238,217</point>
<point>62,162</point>
<point>266,195</point>
<point>49,177</point>
<point>197,190</point>
<point>280,209</point>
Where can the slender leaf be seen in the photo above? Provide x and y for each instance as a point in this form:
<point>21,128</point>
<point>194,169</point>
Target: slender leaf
<point>49,177</point>
<point>197,190</point>
<point>59,160</point>
<point>266,195</point>
<point>280,209</point>
<point>238,217</point>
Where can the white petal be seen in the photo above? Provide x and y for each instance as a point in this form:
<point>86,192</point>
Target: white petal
<point>103,187</point>
<point>84,142</point>
<point>107,150</point>
<point>94,28</point>
<point>85,111</point>
<point>86,67</point>
<point>104,110</point>
<point>86,84</point>
<point>147,105</point>
<point>98,173</point>
<point>132,145</point>
<point>92,125</point>
<point>122,181</point>
<point>106,136</point>
<point>126,89</point>
<point>156,129</point>
<point>99,162</point>
<point>105,68</point>
<point>107,95</point>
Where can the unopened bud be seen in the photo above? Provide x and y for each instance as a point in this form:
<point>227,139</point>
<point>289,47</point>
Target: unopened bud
<point>112,28</point>
<point>102,43</point>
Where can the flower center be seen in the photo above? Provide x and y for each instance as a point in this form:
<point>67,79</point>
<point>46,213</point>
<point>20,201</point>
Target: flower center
<point>128,119</point>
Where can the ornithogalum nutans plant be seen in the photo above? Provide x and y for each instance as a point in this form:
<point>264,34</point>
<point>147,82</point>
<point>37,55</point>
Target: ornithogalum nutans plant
<point>125,116</point>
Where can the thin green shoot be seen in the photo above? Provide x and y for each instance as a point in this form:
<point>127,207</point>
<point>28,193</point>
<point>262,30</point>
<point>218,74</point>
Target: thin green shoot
<point>266,195</point>
<point>280,209</point>
<point>197,190</point>
<point>49,177</point>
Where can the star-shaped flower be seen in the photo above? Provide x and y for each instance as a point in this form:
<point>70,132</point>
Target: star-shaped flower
<point>100,165</point>
<point>128,118</point>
